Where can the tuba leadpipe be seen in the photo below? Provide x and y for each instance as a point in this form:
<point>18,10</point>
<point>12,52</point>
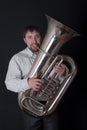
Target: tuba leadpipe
<point>45,101</point>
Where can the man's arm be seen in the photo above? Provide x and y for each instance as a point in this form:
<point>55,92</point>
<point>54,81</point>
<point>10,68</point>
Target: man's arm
<point>13,80</point>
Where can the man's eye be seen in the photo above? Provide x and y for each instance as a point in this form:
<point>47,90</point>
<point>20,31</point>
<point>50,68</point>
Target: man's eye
<point>37,36</point>
<point>30,37</point>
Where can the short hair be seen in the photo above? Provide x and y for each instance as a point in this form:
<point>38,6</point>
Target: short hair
<point>31,28</point>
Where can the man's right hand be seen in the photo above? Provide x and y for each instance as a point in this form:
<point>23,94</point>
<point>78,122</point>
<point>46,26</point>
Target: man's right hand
<point>35,83</point>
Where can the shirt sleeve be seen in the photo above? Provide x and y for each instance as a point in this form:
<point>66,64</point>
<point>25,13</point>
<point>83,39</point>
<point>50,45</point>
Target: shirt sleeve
<point>14,81</point>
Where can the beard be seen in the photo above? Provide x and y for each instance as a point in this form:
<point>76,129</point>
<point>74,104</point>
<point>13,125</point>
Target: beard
<point>35,47</point>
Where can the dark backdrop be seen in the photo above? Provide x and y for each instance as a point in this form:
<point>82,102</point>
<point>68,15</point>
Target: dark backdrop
<point>14,16</point>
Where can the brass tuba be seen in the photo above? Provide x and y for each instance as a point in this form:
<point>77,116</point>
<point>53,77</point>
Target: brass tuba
<point>45,101</point>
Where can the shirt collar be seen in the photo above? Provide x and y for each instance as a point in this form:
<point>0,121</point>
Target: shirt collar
<point>30,52</point>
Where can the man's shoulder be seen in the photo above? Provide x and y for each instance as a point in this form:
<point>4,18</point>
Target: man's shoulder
<point>24,51</point>
<point>20,55</point>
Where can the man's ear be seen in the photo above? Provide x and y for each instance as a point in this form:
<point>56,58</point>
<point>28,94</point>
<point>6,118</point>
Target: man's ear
<point>24,40</point>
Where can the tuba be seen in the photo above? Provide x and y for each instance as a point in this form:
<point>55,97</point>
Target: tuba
<point>45,101</point>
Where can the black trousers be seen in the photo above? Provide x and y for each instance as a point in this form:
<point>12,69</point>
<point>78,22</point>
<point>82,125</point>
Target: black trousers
<point>49,122</point>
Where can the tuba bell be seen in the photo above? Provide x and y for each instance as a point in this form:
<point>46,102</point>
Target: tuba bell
<point>45,101</point>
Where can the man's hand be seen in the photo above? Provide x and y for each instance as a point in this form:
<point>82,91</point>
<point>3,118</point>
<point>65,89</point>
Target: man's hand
<point>35,83</point>
<point>60,69</point>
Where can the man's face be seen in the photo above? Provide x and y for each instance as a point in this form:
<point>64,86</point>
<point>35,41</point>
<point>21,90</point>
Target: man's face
<point>31,39</point>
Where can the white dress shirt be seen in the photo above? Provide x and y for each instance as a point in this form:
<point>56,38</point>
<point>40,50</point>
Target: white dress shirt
<point>18,71</point>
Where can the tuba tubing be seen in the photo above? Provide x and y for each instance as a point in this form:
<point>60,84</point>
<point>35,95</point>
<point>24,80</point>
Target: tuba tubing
<point>45,101</point>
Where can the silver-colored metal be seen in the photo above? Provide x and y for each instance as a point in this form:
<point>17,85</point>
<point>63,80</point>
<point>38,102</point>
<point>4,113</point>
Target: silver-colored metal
<point>45,101</point>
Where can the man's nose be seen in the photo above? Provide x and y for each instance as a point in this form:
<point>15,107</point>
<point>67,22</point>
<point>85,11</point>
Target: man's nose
<point>34,40</point>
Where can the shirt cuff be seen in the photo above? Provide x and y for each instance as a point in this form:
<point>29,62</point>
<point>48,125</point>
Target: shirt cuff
<point>25,84</point>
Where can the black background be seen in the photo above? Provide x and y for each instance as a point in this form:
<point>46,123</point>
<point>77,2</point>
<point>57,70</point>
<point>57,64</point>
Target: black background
<point>14,16</point>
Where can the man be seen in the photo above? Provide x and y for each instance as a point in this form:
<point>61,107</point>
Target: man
<point>17,79</point>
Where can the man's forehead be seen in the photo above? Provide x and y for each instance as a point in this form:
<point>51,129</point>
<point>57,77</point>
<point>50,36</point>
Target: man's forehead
<point>33,31</point>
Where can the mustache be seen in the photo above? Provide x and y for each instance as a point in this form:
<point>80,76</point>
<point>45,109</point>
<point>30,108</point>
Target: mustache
<point>36,45</point>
